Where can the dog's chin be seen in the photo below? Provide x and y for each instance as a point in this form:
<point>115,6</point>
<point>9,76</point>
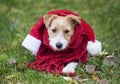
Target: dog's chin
<point>59,49</point>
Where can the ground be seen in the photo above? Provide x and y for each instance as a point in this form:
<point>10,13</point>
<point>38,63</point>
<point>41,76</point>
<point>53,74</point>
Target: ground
<point>18,16</point>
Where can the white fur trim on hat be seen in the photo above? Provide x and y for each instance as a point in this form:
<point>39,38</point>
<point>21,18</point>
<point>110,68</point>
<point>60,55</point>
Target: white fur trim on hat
<point>32,44</point>
<point>94,48</point>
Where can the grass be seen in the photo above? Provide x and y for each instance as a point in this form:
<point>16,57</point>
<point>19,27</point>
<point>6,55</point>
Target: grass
<point>18,16</point>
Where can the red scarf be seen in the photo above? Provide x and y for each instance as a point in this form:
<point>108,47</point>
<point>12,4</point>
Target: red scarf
<point>54,61</point>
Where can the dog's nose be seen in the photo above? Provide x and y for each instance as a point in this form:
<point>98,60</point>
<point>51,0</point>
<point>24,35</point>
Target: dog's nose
<point>59,45</point>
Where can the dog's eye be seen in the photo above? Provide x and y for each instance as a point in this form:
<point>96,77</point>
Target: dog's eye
<point>54,30</point>
<point>66,31</point>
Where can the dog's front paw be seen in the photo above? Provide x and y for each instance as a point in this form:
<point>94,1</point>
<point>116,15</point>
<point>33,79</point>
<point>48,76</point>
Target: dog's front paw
<point>70,67</point>
<point>68,70</point>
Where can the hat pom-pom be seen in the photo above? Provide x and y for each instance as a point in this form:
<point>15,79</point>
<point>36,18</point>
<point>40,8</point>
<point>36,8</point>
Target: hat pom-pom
<point>94,48</point>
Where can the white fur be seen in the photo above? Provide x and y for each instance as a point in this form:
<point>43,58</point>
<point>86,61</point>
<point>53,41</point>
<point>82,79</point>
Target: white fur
<point>32,44</point>
<point>70,67</point>
<point>94,48</point>
<point>59,38</point>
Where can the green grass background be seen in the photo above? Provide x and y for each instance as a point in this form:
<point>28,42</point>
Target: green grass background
<point>18,16</point>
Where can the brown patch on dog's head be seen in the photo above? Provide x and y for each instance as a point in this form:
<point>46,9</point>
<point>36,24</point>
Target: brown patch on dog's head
<point>73,20</point>
<point>48,19</point>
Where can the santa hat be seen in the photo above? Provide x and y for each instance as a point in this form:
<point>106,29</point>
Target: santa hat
<point>34,39</point>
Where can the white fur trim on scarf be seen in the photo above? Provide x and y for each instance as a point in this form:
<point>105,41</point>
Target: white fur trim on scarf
<point>32,44</point>
<point>94,48</point>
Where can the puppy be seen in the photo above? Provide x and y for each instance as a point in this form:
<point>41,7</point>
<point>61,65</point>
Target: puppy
<point>60,30</point>
<point>53,38</point>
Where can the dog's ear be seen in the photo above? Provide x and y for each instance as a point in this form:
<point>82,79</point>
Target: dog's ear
<point>48,19</point>
<point>73,19</point>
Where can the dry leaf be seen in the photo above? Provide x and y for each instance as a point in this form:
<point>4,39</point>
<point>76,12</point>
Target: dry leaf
<point>79,79</point>
<point>16,21</point>
<point>90,68</point>
<point>10,76</point>
<point>111,71</point>
<point>104,81</point>
<point>68,78</point>
<point>95,77</point>
<point>103,53</point>
<point>12,61</point>
<point>111,61</point>
<point>20,83</point>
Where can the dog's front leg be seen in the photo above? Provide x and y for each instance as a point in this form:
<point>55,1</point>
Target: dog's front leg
<point>70,67</point>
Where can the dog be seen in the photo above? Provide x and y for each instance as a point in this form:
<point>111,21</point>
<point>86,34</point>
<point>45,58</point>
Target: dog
<point>60,30</point>
<point>59,40</point>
